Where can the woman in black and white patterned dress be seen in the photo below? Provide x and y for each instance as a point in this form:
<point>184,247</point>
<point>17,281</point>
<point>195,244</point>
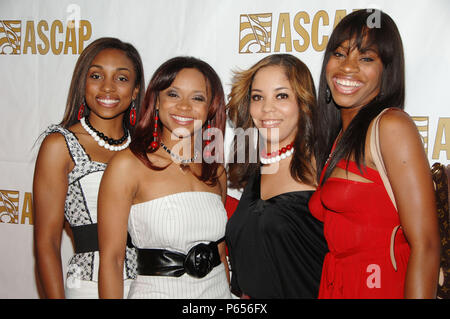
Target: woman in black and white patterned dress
<point>102,106</point>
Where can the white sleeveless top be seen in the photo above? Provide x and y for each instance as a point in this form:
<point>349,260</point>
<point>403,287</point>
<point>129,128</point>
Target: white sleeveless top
<point>177,222</point>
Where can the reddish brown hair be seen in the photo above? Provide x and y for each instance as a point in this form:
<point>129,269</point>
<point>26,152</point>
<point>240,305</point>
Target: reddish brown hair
<point>161,80</point>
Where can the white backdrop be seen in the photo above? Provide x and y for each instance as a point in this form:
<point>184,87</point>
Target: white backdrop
<point>38,51</point>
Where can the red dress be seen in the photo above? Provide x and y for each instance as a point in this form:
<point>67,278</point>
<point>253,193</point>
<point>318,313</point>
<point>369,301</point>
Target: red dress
<point>359,221</point>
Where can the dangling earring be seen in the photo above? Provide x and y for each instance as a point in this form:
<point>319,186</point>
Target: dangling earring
<point>207,151</point>
<point>132,114</point>
<point>81,110</point>
<point>328,95</point>
<point>208,139</point>
<point>155,131</point>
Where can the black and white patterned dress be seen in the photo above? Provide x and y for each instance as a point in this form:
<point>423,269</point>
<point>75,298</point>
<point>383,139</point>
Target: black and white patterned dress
<point>81,209</point>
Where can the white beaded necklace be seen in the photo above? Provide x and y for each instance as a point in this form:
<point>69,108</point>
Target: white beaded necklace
<point>102,142</point>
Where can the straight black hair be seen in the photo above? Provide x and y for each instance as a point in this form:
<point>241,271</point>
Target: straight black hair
<point>358,28</point>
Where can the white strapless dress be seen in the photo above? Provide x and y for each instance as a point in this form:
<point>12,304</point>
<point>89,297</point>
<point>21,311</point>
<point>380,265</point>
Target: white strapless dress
<point>177,222</point>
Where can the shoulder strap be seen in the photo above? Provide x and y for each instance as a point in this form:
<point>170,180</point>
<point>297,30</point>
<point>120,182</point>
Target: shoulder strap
<point>377,158</point>
<point>375,151</point>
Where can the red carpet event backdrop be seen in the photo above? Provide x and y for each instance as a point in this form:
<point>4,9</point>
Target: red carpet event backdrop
<point>40,42</point>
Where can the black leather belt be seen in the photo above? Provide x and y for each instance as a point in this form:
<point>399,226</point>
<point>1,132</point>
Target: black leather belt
<point>85,238</point>
<point>198,262</point>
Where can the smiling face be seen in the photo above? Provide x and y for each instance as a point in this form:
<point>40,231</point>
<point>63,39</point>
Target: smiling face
<point>354,76</point>
<point>110,84</point>
<point>185,101</point>
<point>273,106</point>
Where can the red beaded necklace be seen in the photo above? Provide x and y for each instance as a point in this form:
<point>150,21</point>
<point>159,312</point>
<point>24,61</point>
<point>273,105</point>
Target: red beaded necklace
<point>276,156</point>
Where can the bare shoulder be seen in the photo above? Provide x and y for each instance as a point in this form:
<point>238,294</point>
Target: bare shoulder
<point>399,137</point>
<point>54,148</point>
<point>122,173</point>
<point>54,161</point>
<point>54,141</point>
<point>124,160</point>
<point>397,127</point>
<point>395,119</point>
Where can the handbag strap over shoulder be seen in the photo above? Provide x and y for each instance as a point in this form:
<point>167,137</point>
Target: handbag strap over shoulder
<point>377,158</point>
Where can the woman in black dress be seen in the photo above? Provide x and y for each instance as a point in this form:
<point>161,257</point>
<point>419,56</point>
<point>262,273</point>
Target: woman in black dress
<point>276,246</point>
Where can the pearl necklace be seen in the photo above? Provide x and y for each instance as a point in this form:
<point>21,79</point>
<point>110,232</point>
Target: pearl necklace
<point>178,158</point>
<point>101,141</point>
<point>284,152</point>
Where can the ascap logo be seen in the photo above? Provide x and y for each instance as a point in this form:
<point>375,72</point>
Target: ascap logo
<point>42,37</point>
<point>255,32</point>
<point>422,126</point>
<point>9,208</point>
<point>442,136</point>
<point>10,36</point>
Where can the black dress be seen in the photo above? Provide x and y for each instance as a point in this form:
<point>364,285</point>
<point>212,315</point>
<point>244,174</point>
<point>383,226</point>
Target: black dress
<point>276,246</point>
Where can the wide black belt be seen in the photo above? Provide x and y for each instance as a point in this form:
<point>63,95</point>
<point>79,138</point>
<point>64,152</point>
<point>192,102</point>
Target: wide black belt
<point>198,262</point>
<point>85,238</point>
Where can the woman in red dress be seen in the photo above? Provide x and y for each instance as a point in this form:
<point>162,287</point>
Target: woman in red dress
<point>370,256</point>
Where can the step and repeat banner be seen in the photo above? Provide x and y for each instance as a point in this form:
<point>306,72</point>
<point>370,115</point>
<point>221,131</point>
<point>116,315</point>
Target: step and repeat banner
<point>40,42</point>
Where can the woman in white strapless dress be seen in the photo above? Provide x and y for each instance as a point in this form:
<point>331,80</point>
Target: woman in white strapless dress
<point>168,191</point>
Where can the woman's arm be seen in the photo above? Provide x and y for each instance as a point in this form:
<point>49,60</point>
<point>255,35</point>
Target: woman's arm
<point>117,190</point>
<point>223,258</point>
<point>222,246</point>
<point>49,193</point>
<point>409,174</point>
<point>222,173</point>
